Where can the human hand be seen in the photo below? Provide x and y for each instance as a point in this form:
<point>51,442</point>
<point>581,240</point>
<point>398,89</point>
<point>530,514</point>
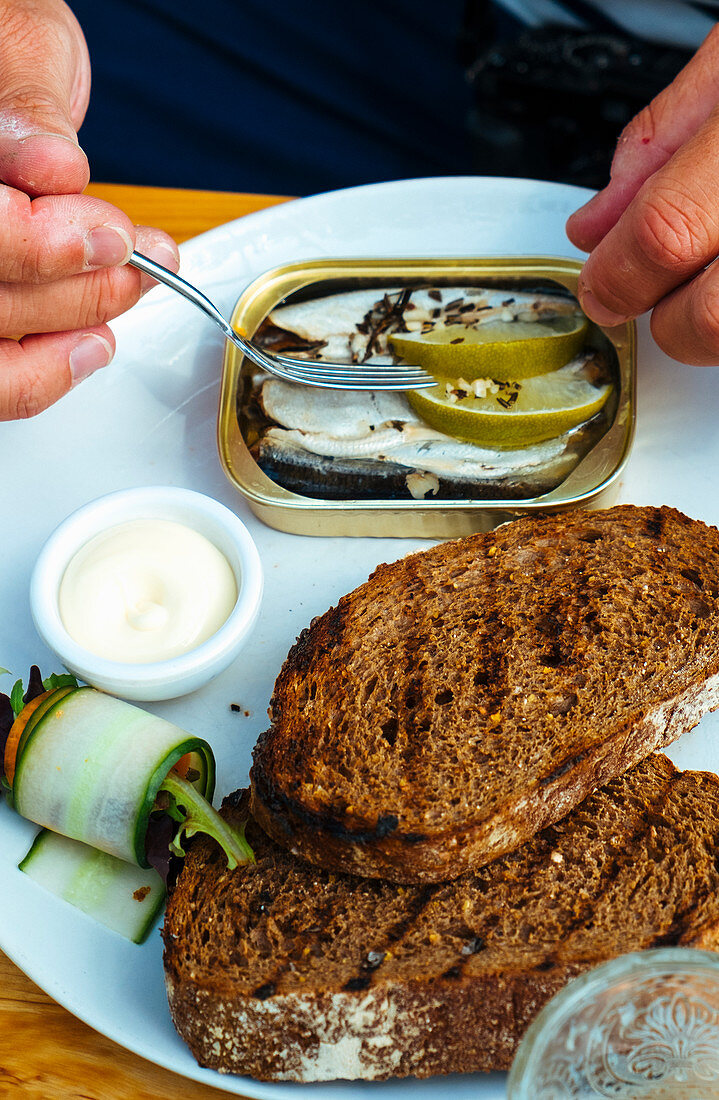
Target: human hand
<point>653,232</point>
<point>59,250</point>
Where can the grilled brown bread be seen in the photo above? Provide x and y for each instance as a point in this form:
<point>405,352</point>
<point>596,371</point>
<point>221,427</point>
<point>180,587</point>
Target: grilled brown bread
<point>286,972</point>
<point>466,696</point>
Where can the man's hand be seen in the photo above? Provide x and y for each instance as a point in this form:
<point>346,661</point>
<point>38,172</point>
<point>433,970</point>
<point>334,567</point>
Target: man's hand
<point>61,252</point>
<point>653,232</point>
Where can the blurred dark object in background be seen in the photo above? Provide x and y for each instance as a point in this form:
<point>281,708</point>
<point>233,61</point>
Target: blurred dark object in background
<point>551,103</point>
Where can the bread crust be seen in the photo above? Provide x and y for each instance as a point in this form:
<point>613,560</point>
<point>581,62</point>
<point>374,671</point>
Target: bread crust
<point>622,603</point>
<point>424,1030</point>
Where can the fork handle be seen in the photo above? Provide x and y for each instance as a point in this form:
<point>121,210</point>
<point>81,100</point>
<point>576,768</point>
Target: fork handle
<point>187,290</point>
<point>175,282</point>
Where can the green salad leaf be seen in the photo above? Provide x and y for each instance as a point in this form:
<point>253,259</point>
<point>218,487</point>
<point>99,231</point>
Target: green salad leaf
<point>59,680</point>
<point>195,814</point>
<point>35,684</point>
<point>17,701</point>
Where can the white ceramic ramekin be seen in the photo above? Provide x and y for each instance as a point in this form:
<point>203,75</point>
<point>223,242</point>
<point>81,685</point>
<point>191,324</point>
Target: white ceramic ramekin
<point>177,676</point>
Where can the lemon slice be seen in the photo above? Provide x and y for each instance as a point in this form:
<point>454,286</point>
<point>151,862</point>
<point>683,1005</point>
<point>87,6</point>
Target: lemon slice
<point>500,349</point>
<point>518,413</point>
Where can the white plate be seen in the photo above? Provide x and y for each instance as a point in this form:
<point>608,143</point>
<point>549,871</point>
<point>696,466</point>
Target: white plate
<point>150,419</point>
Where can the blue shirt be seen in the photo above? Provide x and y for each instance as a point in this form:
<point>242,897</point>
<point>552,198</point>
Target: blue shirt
<point>274,96</point>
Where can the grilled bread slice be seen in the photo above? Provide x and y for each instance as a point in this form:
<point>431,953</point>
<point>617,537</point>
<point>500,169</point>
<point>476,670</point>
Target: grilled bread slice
<point>466,696</point>
<point>284,971</point>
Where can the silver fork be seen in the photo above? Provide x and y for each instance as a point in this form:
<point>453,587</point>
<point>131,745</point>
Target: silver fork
<point>308,372</point>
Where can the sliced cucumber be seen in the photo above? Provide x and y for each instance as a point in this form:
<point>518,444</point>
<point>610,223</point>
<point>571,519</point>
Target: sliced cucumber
<point>91,765</point>
<point>122,896</point>
<point>46,705</point>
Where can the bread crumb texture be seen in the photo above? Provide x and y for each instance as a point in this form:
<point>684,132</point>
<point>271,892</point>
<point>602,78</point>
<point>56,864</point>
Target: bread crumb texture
<point>285,971</point>
<point>468,695</point>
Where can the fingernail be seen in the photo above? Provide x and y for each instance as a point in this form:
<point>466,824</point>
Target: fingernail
<point>162,252</point>
<point>106,246</point>
<point>91,353</point>
<point>597,312</point>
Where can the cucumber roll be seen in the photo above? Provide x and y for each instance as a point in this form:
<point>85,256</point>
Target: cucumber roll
<point>89,767</point>
<point>104,773</point>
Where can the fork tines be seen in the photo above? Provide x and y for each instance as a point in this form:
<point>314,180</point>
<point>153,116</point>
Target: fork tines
<point>387,376</point>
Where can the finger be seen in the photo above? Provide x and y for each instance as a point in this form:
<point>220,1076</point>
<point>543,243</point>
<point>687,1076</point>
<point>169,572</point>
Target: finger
<point>52,237</point>
<point>667,234</point>
<point>44,90</point>
<point>82,301</point>
<point>648,142</point>
<point>685,324</point>
<point>37,371</point>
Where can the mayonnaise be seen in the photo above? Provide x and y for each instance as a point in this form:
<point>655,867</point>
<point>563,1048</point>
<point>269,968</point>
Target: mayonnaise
<point>145,591</point>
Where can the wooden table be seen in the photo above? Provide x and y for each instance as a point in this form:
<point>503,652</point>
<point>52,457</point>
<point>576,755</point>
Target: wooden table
<point>45,1053</point>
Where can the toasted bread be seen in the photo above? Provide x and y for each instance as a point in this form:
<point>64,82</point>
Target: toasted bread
<point>284,971</point>
<point>467,696</point>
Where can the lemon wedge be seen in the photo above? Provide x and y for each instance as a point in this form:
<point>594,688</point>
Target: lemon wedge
<point>516,413</point>
<point>501,350</point>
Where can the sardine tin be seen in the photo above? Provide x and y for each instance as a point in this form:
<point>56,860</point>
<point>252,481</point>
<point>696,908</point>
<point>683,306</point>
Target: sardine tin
<point>593,483</point>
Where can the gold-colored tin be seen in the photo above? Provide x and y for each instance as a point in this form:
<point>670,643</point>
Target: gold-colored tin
<point>593,482</point>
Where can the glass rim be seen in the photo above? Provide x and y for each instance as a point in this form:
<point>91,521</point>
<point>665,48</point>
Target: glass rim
<point>565,1004</point>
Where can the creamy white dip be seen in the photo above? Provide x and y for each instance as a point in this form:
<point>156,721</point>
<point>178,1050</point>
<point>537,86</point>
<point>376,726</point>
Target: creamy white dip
<point>146,590</point>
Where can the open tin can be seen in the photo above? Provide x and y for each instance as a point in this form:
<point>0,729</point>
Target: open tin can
<point>591,483</point>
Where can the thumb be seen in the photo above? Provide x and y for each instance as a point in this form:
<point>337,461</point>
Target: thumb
<point>44,90</point>
<point>649,141</point>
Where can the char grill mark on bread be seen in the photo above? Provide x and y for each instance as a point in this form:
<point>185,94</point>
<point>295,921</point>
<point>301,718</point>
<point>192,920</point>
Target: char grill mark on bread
<point>466,696</point>
<point>286,971</point>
